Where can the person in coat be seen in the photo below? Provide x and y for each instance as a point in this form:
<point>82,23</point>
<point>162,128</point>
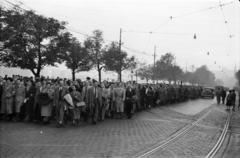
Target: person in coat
<point>37,107</point>
<point>76,111</point>
<point>19,98</point>
<point>46,110</point>
<point>233,98</point>
<point>224,94</point>
<point>218,94</point>
<point>112,107</point>
<point>87,97</point>
<point>1,92</point>
<point>29,100</point>
<point>142,96</point>
<point>149,95</point>
<point>97,101</point>
<point>60,103</point>
<point>119,98</point>
<point>105,101</point>
<point>7,100</point>
<point>229,100</point>
<point>129,101</point>
<point>138,94</point>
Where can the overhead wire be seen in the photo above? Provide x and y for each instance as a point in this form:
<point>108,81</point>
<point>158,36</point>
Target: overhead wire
<point>85,34</point>
<point>147,42</point>
<point>134,14</point>
<point>145,32</point>
<point>134,50</point>
<point>225,21</point>
<point>76,30</point>
<point>162,25</point>
<point>174,33</point>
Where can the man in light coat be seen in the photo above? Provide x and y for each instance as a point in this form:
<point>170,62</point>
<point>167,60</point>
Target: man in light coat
<point>19,98</point>
<point>60,103</point>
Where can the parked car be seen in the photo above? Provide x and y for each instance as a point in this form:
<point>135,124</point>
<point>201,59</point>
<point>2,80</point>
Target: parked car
<point>208,92</point>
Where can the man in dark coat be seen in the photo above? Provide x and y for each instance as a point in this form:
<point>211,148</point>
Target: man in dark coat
<point>238,98</point>
<point>29,100</point>
<point>37,106</point>
<point>218,94</point>
<point>129,100</point>
<point>143,96</point>
<point>224,94</point>
<point>233,100</point>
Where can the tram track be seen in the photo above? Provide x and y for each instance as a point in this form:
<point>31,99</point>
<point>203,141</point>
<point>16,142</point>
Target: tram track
<point>213,151</point>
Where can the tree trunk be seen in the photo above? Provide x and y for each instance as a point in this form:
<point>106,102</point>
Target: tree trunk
<point>99,75</point>
<point>73,74</point>
<point>120,76</point>
<point>36,74</point>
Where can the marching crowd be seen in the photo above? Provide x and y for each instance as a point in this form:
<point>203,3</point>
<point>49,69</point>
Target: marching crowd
<point>41,100</point>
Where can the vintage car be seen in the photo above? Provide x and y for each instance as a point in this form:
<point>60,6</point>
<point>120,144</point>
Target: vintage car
<point>208,92</point>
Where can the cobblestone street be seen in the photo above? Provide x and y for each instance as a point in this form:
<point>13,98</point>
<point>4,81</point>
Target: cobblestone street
<point>119,138</point>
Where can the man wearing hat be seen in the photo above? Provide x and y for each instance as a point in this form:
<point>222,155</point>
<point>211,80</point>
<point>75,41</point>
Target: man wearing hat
<point>92,100</point>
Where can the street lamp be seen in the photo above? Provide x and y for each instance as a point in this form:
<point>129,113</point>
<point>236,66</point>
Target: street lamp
<point>194,37</point>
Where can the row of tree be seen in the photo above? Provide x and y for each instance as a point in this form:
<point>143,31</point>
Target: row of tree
<point>166,69</point>
<point>32,41</point>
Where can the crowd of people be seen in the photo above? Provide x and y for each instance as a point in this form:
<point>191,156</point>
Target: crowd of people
<point>221,95</point>
<point>41,100</point>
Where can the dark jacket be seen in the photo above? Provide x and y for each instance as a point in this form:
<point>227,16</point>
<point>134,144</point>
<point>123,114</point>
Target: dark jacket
<point>224,94</point>
<point>129,95</point>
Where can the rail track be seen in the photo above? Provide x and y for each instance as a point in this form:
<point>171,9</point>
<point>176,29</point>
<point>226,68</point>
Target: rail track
<point>185,131</point>
<point>221,138</point>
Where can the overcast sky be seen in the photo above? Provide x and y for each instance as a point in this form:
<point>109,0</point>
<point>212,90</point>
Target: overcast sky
<point>147,23</point>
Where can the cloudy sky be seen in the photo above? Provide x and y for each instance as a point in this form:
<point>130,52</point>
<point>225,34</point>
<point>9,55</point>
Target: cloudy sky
<point>169,25</point>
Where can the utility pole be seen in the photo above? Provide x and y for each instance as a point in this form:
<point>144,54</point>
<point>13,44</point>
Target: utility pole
<point>154,60</point>
<point>120,43</point>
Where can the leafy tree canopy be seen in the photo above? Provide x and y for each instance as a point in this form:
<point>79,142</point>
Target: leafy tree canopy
<point>30,41</point>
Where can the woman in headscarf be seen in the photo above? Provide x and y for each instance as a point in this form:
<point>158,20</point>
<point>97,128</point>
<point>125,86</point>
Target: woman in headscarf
<point>46,110</point>
<point>7,99</point>
<point>76,111</point>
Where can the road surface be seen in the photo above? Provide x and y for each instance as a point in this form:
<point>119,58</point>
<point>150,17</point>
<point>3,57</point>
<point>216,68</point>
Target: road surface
<point>127,138</point>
